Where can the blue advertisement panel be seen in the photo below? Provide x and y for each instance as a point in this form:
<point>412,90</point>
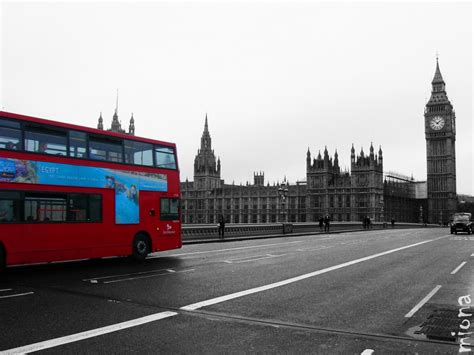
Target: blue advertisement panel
<point>127,184</point>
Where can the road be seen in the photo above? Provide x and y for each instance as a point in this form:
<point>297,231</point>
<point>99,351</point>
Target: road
<point>329,293</point>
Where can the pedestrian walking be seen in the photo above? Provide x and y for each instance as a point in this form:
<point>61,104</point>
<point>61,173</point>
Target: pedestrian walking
<point>221,226</point>
<point>364,222</point>
<point>321,223</point>
<point>327,221</point>
<point>393,222</point>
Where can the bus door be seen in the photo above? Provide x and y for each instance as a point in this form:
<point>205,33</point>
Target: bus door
<point>150,213</point>
<point>169,224</point>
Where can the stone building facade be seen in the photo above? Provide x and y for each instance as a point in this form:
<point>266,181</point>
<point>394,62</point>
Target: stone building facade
<point>344,195</point>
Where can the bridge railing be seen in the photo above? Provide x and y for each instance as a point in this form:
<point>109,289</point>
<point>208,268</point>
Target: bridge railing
<point>210,231</point>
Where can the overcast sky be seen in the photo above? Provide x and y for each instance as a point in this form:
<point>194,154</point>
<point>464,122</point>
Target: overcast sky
<point>274,78</point>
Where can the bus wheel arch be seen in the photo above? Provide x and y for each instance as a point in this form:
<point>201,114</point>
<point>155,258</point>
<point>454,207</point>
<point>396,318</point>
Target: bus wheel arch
<point>141,245</point>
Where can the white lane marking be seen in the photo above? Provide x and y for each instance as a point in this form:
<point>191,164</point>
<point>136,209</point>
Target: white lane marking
<point>6,289</point>
<point>231,296</point>
<point>18,295</point>
<point>221,250</point>
<point>88,334</point>
<point>367,352</point>
<point>472,254</point>
<point>458,268</point>
<point>312,249</point>
<point>251,258</point>
<point>120,275</point>
<point>422,302</point>
<point>147,276</point>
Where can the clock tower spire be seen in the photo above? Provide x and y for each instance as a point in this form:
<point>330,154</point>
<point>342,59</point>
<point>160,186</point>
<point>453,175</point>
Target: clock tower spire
<point>440,135</point>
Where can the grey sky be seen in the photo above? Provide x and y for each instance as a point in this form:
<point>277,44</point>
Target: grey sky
<point>274,78</point>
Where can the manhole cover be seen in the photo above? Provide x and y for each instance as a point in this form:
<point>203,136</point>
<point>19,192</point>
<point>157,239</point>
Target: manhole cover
<point>441,325</point>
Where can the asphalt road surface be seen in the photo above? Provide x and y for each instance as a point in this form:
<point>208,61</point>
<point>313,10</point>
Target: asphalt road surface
<point>366,292</point>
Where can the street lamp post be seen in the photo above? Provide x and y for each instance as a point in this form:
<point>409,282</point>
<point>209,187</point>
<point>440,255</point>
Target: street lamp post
<point>382,217</point>
<point>283,193</point>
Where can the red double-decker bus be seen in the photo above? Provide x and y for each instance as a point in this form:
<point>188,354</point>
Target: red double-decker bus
<point>69,192</point>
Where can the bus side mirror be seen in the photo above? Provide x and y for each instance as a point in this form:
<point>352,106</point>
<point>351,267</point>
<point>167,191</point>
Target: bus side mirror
<point>152,212</point>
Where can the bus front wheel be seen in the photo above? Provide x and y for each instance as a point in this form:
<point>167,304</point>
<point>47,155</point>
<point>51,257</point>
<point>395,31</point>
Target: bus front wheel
<point>141,247</point>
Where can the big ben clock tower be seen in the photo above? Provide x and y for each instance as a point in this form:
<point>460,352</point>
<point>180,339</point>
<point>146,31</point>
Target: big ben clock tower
<point>440,134</point>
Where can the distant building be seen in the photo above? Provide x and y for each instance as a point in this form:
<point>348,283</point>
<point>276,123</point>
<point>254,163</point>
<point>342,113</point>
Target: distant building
<point>344,195</point>
<point>116,126</point>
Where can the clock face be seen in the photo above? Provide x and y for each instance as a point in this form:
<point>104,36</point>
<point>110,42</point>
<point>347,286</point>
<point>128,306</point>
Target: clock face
<point>437,123</point>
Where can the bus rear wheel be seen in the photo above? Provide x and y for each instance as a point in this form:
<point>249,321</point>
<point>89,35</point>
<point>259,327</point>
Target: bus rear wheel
<point>140,247</point>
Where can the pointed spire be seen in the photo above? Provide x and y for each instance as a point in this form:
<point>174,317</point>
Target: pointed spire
<point>206,137</point>
<point>380,151</point>
<point>100,125</point>
<point>116,103</point>
<point>438,78</point>
<point>352,149</point>
<point>131,127</point>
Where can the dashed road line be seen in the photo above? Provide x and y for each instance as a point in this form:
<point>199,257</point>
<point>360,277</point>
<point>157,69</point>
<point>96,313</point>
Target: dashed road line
<point>422,302</point>
<point>89,334</point>
<point>135,276</point>
<point>251,258</point>
<point>168,272</point>
<point>313,249</point>
<point>5,290</point>
<point>458,268</point>
<point>367,352</point>
<point>17,295</point>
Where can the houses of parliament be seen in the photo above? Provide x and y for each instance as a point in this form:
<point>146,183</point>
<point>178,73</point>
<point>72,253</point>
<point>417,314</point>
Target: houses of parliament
<point>327,190</point>
<point>364,191</point>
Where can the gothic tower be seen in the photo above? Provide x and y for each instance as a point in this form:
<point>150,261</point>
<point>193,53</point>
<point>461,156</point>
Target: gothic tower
<point>207,172</point>
<point>440,135</point>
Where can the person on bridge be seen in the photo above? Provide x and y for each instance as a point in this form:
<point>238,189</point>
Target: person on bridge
<point>321,223</point>
<point>221,226</point>
<point>327,221</point>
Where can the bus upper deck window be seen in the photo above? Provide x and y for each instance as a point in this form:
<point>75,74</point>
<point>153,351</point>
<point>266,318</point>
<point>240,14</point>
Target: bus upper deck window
<point>138,153</point>
<point>77,144</point>
<point>165,157</point>
<point>46,142</point>
<point>104,149</point>
<point>10,135</point>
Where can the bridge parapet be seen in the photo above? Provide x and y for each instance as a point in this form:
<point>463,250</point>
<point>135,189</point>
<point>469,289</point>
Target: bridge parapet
<point>193,232</point>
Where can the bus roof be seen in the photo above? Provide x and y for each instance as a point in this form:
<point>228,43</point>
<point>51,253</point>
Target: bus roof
<point>81,128</point>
